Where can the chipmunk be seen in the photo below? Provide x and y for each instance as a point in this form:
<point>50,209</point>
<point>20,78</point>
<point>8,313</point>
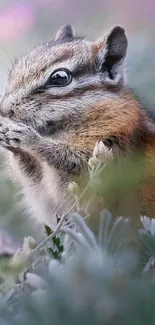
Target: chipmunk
<point>60,99</point>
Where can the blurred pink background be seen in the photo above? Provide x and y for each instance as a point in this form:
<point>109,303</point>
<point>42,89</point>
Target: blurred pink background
<point>25,23</point>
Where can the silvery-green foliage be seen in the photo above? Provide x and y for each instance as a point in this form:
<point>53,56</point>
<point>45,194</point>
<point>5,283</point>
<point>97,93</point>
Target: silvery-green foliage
<point>86,279</point>
<point>97,282</point>
<point>147,235</point>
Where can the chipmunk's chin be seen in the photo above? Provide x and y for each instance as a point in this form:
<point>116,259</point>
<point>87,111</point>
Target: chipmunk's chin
<point>49,129</point>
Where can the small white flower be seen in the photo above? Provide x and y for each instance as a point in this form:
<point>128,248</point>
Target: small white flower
<point>73,188</point>
<point>101,152</point>
<point>148,224</point>
<point>28,244</point>
<point>93,163</point>
<point>101,155</point>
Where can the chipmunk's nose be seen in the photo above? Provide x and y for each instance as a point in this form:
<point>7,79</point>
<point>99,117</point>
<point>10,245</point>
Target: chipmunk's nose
<point>6,112</point>
<point>5,109</point>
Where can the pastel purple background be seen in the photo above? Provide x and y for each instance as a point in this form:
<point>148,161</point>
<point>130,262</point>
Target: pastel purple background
<point>23,23</point>
<point>21,18</point>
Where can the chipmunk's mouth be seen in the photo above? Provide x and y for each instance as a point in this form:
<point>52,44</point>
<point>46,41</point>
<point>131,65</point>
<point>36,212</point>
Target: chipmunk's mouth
<point>50,128</point>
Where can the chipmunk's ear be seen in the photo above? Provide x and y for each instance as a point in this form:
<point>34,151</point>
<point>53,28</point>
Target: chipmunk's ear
<point>111,51</point>
<point>65,33</point>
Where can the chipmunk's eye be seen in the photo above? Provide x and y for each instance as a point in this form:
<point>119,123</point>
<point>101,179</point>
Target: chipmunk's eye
<point>59,78</point>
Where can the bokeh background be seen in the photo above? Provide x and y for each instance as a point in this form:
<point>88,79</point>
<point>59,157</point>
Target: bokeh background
<point>25,23</point>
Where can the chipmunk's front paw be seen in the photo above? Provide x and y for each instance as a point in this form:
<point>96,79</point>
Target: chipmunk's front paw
<point>13,136</point>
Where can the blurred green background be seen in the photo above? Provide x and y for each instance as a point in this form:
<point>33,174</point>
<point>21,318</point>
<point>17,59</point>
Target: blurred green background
<point>25,23</point>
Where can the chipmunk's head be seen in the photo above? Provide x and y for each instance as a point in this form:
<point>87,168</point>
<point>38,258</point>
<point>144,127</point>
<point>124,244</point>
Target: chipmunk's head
<point>54,83</point>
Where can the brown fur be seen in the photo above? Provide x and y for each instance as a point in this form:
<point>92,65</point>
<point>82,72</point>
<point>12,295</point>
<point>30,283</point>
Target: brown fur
<point>123,119</point>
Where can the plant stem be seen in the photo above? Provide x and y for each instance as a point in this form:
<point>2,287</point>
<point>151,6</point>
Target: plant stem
<point>99,168</point>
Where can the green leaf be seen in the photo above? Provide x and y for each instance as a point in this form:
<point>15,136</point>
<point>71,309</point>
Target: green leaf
<point>56,255</point>
<point>48,230</point>
<point>61,248</point>
<point>56,241</point>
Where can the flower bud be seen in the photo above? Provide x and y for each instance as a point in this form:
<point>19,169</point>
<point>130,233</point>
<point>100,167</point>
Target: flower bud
<point>73,188</point>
